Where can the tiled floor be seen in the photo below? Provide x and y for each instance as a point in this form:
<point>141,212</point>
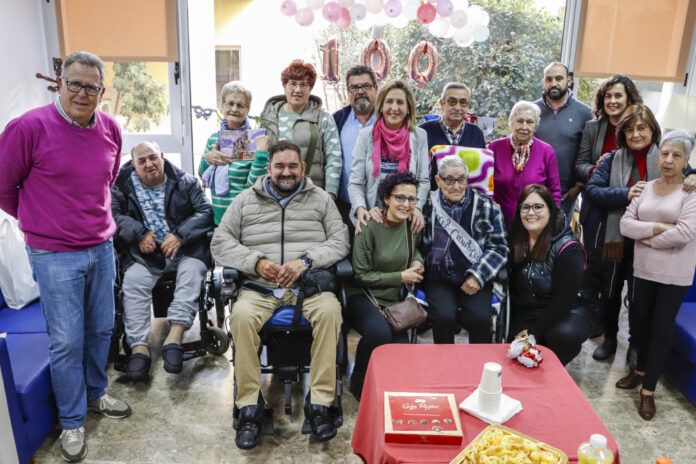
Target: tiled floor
<point>188,418</point>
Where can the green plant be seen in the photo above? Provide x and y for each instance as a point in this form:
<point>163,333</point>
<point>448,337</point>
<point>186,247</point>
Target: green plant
<point>140,99</point>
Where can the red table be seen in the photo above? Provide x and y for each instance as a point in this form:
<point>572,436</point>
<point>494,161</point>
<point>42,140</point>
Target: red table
<point>555,410</point>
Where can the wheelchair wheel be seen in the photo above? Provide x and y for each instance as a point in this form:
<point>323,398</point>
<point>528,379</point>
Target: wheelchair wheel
<point>218,343</point>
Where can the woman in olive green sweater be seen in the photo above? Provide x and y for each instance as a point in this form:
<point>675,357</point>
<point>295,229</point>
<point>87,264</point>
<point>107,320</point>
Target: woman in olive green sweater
<point>381,265</point>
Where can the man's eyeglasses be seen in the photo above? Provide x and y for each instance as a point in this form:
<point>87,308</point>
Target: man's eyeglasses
<point>536,207</point>
<point>463,102</point>
<point>401,199</point>
<point>298,85</point>
<point>450,181</point>
<point>75,87</point>
<point>360,88</point>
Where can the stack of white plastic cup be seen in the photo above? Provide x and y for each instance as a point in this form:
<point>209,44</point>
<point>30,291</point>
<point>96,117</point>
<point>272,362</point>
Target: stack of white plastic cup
<point>490,388</point>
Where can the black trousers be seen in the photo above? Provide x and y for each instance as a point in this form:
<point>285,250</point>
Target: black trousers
<point>603,284</point>
<point>344,209</point>
<point>449,306</point>
<point>655,307</point>
<point>564,337</point>
<point>369,322</point>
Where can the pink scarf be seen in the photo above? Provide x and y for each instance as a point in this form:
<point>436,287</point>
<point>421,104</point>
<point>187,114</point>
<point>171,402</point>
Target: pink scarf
<point>393,143</point>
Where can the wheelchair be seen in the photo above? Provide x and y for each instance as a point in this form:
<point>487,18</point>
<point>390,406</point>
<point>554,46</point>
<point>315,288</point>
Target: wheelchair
<point>286,340</point>
<point>213,339</point>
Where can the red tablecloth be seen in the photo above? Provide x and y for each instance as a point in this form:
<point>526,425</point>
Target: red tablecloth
<point>555,410</point>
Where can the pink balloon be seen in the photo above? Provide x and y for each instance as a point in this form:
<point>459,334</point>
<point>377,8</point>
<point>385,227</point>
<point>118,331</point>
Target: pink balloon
<point>344,20</point>
<point>393,8</point>
<point>331,11</point>
<point>426,13</point>
<point>288,8</point>
<point>304,16</point>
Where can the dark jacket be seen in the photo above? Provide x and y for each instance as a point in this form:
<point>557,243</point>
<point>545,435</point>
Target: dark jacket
<point>340,117</point>
<point>590,147</point>
<point>188,211</point>
<point>543,291</point>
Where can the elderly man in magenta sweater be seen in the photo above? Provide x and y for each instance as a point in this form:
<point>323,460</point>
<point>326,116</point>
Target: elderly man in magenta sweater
<point>58,164</point>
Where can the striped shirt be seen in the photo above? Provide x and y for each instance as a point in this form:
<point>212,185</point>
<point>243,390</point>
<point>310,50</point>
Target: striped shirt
<point>242,175</point>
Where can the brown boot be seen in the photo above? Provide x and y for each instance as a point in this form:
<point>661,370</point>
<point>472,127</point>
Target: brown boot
<point>647,406</point>
<point>630,381</point>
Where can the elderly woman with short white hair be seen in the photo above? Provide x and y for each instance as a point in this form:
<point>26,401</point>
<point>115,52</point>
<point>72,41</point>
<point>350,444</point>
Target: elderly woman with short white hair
<point>662,221</point>
<point>465,248</point>
<point>227,177</point>
<point>522,159</point>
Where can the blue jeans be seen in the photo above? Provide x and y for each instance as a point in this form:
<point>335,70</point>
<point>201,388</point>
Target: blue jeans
<point>77,296</point>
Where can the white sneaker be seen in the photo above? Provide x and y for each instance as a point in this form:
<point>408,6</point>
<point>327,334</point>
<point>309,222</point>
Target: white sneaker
<point>72,444</point>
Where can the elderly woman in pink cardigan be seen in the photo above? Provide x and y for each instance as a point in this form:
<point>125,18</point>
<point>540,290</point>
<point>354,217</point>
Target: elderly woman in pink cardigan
<point>662,221</point>
<point>521,159</point>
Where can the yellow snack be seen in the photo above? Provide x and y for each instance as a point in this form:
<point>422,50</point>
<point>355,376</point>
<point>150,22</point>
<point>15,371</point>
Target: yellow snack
<point>499,445</point>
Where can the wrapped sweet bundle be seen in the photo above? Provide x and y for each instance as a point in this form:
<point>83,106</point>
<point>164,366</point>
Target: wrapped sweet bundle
<point>523,348</point>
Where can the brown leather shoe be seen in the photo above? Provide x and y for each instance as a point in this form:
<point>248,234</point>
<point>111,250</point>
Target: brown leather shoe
<point>647,406</point>
<point>630,381</point>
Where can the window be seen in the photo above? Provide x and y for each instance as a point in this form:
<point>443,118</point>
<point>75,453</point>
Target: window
<point>226,66</point>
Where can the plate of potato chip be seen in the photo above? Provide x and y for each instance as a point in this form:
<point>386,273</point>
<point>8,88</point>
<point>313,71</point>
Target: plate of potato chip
<point>497,444</point>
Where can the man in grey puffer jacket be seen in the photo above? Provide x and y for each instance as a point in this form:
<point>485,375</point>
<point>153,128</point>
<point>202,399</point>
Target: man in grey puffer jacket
<point>273,232</point>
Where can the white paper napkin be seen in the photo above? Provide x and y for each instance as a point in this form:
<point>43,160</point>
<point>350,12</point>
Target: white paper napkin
<point>508,408</point>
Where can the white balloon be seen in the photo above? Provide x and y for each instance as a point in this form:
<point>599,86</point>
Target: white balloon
<point>458,18</point>
<point>410,10</point>
<point>464,35</point>
<point>366,23</point>
<point>315,4</point>
<point>346,3</point>
<point>468,43</point>
<point>439,26</point>
<point>481,33</point>
<point>475,14</point>
<point>399,22</point>
<point>381,19</point>
<point>358,12</point>
<point>374,6</point>
<point>460,4</point>
<point>485,18</point>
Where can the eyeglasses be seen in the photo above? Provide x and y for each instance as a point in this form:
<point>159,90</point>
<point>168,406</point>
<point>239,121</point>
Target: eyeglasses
<point>536,207</point>
<point>450,181</point>
<point>75,87</point>
<point>463,102</point>
<point>360,88</point>
<point>401,199</point>
<point>298,85</point>
<point>233,104</point>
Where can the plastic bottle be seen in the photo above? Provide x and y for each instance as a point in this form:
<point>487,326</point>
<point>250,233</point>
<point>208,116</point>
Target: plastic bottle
<point>595,451</point>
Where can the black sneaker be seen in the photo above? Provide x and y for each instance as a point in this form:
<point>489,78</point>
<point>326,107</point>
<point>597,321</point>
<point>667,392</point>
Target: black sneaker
<point>249,427</point>
<point>606,349</point>
<point>320,421</point>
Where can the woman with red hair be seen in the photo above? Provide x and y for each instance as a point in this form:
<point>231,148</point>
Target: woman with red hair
<point>299,117</point>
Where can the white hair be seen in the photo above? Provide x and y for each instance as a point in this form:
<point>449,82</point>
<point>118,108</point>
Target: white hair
<point>682,136</point>
<point>524,105</point>
<point>451,161</point>
<point>235,87</point>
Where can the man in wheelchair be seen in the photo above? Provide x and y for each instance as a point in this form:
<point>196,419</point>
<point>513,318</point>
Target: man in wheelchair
<point>272,233</point>
<point>162,219</point>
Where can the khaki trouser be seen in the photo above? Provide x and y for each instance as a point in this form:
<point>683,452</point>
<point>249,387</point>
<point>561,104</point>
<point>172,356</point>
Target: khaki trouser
<point>252,310</point>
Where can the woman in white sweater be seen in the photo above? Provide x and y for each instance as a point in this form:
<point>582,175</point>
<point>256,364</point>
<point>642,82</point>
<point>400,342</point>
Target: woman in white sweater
<point>393,144</point>
<point>662,221</point>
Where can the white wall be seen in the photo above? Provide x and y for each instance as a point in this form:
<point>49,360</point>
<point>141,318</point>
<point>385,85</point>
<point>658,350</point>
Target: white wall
<point>22,56</point>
